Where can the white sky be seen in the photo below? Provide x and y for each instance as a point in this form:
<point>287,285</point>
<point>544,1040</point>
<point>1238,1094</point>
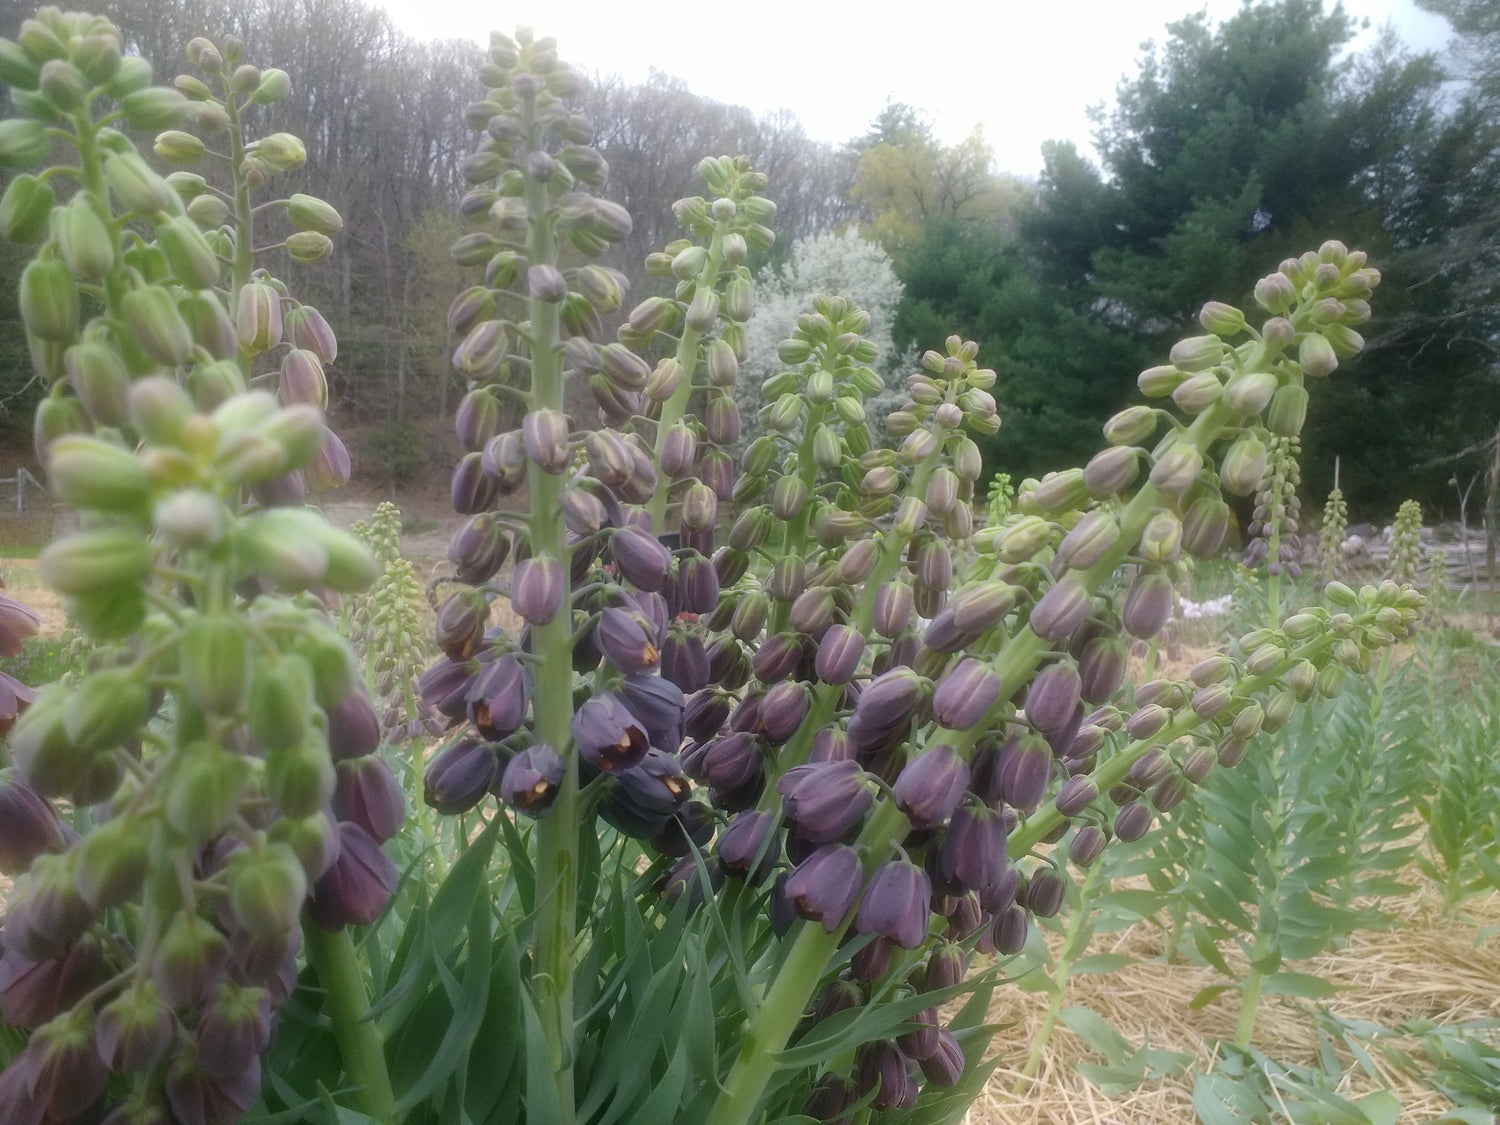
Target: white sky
<point>1027,72</point>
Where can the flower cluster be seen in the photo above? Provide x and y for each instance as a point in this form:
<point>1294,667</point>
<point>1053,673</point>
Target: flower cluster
<point>1278,512</point>
<point>205,746</point>
<point>1406,542</point>
<point>1331,533</point>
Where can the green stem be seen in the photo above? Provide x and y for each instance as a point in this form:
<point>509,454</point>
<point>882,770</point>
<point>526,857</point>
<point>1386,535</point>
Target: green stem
<point>1265,938</point>
<point>1249,1001</point>
<point>552,696</point>
<point>244,216</point>
<point>1073,945</point>
<point>332,956</point>
<point>794,545</point>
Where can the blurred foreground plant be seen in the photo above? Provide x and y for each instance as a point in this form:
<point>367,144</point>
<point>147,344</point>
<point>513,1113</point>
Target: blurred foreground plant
<point>764,792</point>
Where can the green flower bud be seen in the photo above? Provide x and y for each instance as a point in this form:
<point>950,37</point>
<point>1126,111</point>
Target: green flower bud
<point>258,318</point>
<point>22,143</point>
<point>1244,465</point>
<point>267,887</point>
<point>1061,492</point>
<point>176,147</point>
<point>108,707</point>
<point>309,213</point>
<point>100,380</point>
<point>86,472</point>
<point>309,247</point>
<point>1316,355</point>
<point>1275,293</point>
<point>1249,393</point>
<point>280,152</point>
<point>112,863</point>
<point>1197,353</point>
<point>16,68</point>
<point>1288,410</point>
<point>1161,541</point>
<point>1022,540</point>
<point>1159,382</point>
<point>156,107</point>
<point>49,301</point>
<point>193,261</point>
<point>159,328</point>
<point>26,209</point>
<point>1204,526</point>
<point>1344,341</point>
<point>1222,319</point>
<point>136,187</point>
<point>83,239</point>
<point>96,562</point>
<point>63,84</point>
<point>191,519</point>
<point>214,662</point>
<point>134,74</point>
<point>1177,469</point>
<point>1197,393</point>
<point>273,86</point>
<point>300,778</point>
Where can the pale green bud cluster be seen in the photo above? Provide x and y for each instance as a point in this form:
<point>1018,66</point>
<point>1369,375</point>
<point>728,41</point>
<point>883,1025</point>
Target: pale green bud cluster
<point>1439,595</point>
<point>1331,534</point>
<point>1276,519</point>
<point>1001,499</point>
<point>1406,542</point>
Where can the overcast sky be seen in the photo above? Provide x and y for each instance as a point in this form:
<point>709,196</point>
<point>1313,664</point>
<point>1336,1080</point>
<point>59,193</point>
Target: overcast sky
<point>1025,72</point>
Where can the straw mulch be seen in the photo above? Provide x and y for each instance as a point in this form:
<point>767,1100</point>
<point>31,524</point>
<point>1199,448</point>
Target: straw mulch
<point>1429,968</point>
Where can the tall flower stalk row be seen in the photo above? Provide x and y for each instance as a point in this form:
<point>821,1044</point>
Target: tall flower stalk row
<point>184,424</point>
<point>887,712</point>
<point>838,741</point>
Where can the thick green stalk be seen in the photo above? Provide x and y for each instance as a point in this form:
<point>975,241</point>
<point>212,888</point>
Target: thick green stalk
<point>332,956</point>
<point>552,697</point>
<point>1265,938</point>
<point>243,264</point>
<point>795,543</point>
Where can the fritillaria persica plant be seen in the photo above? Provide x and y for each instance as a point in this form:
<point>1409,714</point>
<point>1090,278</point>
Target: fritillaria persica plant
<point>788,747</point>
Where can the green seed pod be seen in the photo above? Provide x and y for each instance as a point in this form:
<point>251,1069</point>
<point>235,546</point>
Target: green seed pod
<point>92,562</point>
<point>100,380</point>
<point>156,107</point>
<point>136,187</point>
<point>25,209</point>
<point>158,326</point>
<point>193,261</point>
<point>1288,411</point>
<point>22,143</point>
<point>49,301</point>
<point>86,472</point>
<point>214,663</point>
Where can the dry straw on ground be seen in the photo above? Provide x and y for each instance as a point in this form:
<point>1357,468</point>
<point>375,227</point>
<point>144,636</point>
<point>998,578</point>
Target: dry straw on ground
<point>1429,968</point>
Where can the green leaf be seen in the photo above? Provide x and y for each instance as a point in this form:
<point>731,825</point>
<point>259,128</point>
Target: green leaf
<point>541,1093</point>
<point>1207,996</point>
<point>450,905</point>
<point>1303,985</point>
<point>1097,1033</point>
<point>1382,1107</point>
<point>1102,963</point>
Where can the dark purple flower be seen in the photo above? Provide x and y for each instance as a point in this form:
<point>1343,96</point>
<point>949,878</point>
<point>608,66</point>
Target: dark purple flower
<point>641,559</point>
<point>658,703</point>
<point>972,854</point>
<point>32,992</point>
<point>727,664</point>
<point>197,1098</point>
<point>445,686</point>
<point>1101,669</point>
<point>645,797</point>
<point>839,654</point>
<point>356,888</point>
<point>734,767</point>
<point>883,1069</point>
<point>607,735</point>
<point>1053,695</point>
<point>1148,604</point>
<point>945,967</point>
<point>1061,610</point>
<point>892,699</point>
<point>691,827</point>
<point>66,1073</point>
<point>1008,930</point>
<point>1076,794</point>
<point>776,658</point>
<point>458,776</point>
<point>536,589</point>
<point>920,1042</point>
<point>897,904</point>
<point>499,696</point>
<point>872,960</point>
<point>698,583</point>
<point>472,491</point>
<point>1045,891</point>
<point>235,1027</point>
<point>825,885</point>
<point>782,710</point>
<point>1132,821</point>
<point>353,726</point>
<point>748,846</point>
<point>626,639</point>
<point>545,435</point>
<point>28,824</point>
<point>1025,771</point>
<point>945,1066</point>
<point>824,800</point>
<point>943,633</point>
<point>893,609</point>
<point>1087,844</point>
<point>705,713</point>
<point>530,780</point>
<point>965,695</point>
<point>479,548</point>
<point>931,785</point>
<point>830,1098</point>
<point>367,793</point>
<point>135,1029</point>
